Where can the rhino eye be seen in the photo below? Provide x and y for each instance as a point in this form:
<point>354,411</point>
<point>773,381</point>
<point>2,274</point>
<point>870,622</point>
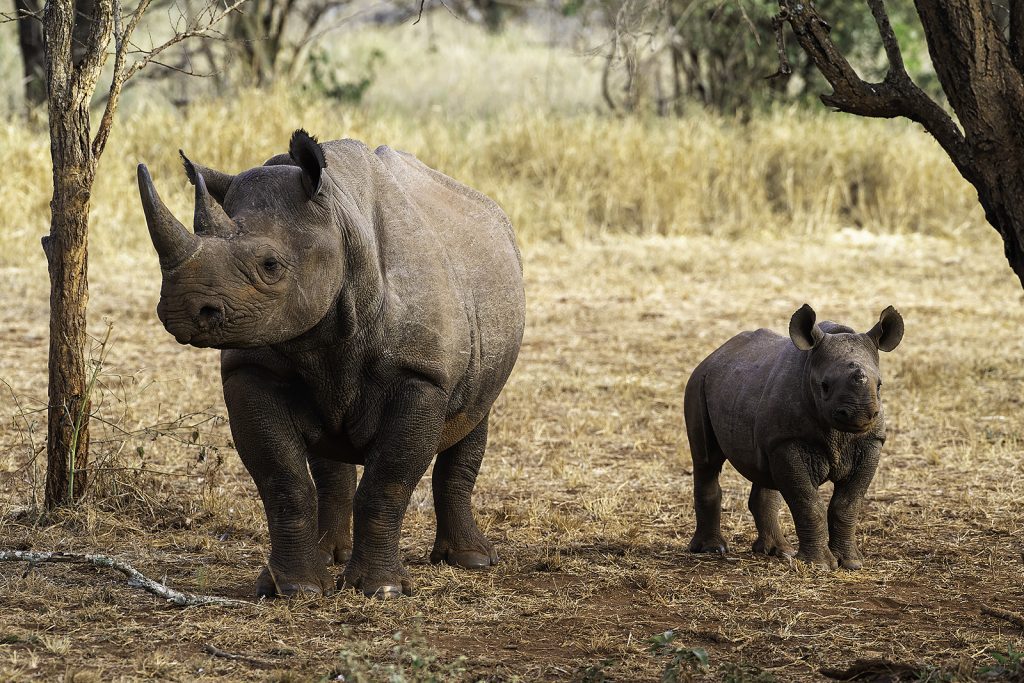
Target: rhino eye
<point>270,270</point>
<point>824,388</point>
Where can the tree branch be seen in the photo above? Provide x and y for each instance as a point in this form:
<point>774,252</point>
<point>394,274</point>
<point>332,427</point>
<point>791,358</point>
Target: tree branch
<point>123,72</point>
<point>87,70</point>
<point>896,95</point>
<point>135,578</point>
<point>785,69</point>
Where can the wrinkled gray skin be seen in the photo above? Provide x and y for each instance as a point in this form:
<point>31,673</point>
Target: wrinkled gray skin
<point>791,414</point>
<point>369,310</point>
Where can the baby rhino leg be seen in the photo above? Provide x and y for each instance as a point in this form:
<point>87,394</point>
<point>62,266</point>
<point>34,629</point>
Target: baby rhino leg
<point>764,504</point>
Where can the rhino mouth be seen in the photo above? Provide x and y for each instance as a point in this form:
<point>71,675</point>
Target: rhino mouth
<point>854,426</point>
<point>203,327</point>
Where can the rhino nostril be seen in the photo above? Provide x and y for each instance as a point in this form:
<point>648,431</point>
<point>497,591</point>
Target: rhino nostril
<point>210,316</point>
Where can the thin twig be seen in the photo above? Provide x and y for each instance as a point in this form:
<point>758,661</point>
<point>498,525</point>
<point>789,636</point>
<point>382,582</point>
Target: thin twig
<point>135,578</point>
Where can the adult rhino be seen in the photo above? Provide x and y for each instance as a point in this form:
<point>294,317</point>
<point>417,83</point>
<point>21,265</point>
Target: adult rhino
<point>369,310</point>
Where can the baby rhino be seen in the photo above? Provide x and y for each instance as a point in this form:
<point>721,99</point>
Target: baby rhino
<point>790,414</point>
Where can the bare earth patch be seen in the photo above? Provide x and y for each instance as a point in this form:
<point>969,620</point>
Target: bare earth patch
<point>585,489</point>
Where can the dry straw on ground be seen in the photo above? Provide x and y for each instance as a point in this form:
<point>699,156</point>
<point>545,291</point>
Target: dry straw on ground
<point>585,489</point>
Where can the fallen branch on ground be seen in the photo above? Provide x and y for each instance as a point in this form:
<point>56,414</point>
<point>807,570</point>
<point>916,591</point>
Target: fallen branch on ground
<point>211,649</point>
<point>1012,617</point>
<point>135,578</point>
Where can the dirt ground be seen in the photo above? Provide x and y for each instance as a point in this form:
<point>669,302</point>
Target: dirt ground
<point>585,490</point>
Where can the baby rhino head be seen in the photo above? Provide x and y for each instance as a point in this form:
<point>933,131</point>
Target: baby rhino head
<point>263,265</point>
<point>842,371</point>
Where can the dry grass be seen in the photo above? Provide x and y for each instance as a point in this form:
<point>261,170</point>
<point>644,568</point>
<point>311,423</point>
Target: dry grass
<point>585,488</point>
<point>559,177</point>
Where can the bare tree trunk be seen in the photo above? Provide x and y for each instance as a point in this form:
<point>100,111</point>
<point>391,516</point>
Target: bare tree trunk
<point>78,33</point>
<point>72,72</point>
<point>30,44</point>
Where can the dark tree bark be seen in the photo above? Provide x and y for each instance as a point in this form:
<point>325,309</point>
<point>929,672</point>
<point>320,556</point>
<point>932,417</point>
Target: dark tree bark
<point>979,69</point>
<point>30,44</point>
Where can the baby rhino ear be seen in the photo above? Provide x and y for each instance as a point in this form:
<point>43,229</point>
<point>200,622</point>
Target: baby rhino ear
<point>888,331</point>
<point>803,330</point>
<point>308,155</point>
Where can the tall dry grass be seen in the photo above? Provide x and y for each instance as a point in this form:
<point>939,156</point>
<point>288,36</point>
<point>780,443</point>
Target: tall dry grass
<point>560,177</point>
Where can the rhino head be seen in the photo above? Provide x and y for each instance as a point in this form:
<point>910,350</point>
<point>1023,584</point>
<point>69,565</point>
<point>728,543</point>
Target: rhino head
<point>263,264</point>
<point>842,372</point>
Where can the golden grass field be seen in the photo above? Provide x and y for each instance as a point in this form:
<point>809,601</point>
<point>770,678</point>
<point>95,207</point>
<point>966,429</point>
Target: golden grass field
<point>646,243</point>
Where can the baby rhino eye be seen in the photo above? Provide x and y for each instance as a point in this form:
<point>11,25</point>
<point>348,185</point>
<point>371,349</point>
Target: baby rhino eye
<point>271,265</point>
<point>824,387</point>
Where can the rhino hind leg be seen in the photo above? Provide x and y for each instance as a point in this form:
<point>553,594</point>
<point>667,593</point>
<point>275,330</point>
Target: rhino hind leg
<point>764,505</point>
<point>408,434</point>
<point>459,541</point>
<point>707,466</point>
<point>335,487</point>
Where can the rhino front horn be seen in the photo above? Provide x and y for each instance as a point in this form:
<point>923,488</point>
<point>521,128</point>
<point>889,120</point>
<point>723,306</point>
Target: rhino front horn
<point>172,241</point>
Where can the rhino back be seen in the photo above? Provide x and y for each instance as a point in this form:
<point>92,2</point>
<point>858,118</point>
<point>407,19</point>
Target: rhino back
<point>452,272</point>
<point>750,386</point>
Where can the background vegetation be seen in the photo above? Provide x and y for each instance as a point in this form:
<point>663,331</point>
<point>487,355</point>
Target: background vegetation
<point>654,227</point>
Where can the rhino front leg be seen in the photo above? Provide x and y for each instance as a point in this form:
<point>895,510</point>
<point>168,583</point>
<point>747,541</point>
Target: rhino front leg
<point>335,488</point>
<point>459,541</point>
<point>264,432</point>
<point>844,512</point>
<point>764,505</point>
<point>790,472</point>
<point>406,442</point>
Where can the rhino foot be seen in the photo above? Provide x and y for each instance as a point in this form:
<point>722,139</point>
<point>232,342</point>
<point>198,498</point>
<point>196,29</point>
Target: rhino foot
<point>713,544</point>
<point>335,555</point>
<point>478,555</point>
<point>275,584</point>
<point>822,558</point>
<point>849,560</point>
<point>774,547</point>
<point>376,584</point>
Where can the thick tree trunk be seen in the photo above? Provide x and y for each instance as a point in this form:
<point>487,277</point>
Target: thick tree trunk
<point>72,72</point>
<point>30,44</point>
<point>985,87</point>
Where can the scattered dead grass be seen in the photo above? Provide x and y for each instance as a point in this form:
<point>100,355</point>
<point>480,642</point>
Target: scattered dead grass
<point>585,489</point>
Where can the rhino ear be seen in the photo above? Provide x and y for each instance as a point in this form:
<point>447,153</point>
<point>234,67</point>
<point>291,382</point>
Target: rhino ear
<point>217,183</point>
<point>308,155</point>
<point>803,330</point>
<point>888,331</point>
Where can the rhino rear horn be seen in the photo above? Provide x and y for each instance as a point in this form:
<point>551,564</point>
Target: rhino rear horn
<point>308,155</point>
<point>888,331</point>
<point>803,330</point>
<point>209,218</point>
<point>217,183</point>
<point>172,241</point>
